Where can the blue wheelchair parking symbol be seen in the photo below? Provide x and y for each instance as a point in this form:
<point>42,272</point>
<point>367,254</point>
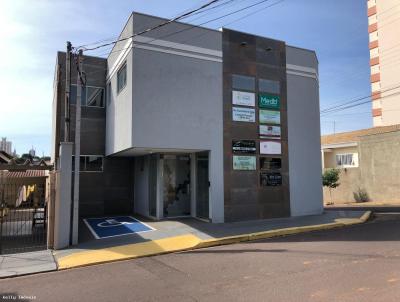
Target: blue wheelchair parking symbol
<point>115,226</point>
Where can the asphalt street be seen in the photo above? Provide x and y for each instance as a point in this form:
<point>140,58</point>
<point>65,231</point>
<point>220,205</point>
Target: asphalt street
<point>358,263</point>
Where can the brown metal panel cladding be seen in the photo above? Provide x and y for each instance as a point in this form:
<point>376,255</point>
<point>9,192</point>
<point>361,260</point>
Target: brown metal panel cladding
<point>375,77</point>
<point>374,61</point>
<point>373,44</point>
<point>377,112</point>
<point>373,27</point>
<point>376,95</point>
<point>257,57</point>
<point>372,11</point>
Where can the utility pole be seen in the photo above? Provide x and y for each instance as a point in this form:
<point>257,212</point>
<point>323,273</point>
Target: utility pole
<point>75,205</point>
<point>67,93</point>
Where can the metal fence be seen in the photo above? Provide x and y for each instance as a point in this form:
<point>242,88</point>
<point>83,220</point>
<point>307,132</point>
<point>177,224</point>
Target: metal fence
<point>23,215</point>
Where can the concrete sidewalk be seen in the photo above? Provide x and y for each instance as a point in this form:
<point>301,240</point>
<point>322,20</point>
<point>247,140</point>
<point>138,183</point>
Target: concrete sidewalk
<point>12,265</point>
<point>186,234</point>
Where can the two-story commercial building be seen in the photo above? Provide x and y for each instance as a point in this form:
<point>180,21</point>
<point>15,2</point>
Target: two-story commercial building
<point>184,121</point>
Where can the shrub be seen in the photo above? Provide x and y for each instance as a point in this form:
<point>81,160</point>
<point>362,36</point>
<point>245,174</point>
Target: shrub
<point>361,195</point>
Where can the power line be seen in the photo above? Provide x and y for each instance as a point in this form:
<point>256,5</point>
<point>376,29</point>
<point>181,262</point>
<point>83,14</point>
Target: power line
<point>350,104</point>
<point>196,26</point>
<point>155,27</point>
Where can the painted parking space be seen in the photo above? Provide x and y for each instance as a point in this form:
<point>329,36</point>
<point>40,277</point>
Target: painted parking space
<point>106,227</point>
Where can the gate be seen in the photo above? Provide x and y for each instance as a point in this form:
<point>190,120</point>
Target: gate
<point>23,213</point>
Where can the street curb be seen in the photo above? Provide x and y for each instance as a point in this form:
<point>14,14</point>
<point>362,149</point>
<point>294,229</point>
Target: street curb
<point>131,251</point>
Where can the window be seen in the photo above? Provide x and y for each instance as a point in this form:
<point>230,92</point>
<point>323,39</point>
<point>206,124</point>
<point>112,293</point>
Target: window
<point>109,94</point>
<point>121,78</point>
<point>243,82</point>
<point>91,96</point>
<point>89,163</point>
<point>346,160</point>
<point>269,86</point>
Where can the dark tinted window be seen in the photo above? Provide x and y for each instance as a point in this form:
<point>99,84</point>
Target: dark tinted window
<point>94,97</point>
<point>121,78</point>
<point>268,86</point>
<point>243,82</point>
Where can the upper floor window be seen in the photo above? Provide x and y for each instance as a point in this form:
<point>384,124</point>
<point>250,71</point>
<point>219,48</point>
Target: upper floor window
<point>243,82</point>
<point>269,86</point>
<point>347,160</point>
<point>89,163</point>
<point>121,78</point>
<point>90,96</point>
<point>108,93</point>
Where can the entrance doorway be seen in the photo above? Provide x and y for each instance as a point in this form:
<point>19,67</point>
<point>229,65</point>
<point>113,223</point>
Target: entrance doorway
<point>176,186</point>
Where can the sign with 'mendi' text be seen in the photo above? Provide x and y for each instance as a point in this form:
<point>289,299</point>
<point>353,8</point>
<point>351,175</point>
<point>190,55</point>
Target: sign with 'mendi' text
<point>270,117</point>
<point>243,98</point>
<point>269,101</point>
<point>243,114</point>
<point>246,163</point>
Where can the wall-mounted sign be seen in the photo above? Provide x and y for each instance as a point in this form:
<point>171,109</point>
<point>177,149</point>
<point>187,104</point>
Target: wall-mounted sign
<point>243,114</point>
<point>270,147</point>
<point>245,163</point>
<point>270,163</point>
<point>273,132</point>
<point>244,146</point>
<point>269,101</point>
<point>270,117</point>
<point>270,179</point>
<point>243,98</point>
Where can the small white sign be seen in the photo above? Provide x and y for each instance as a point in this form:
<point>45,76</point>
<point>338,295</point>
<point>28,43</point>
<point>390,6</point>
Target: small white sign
<point>273,132</point>
<point>243,114</point>
<point>243,98</point>
<point>269,147</point>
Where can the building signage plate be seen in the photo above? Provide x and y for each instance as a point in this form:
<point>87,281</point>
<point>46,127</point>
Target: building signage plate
<point>244,162</point>
<point>270,117</point>
<point>270,147</point>
<point>269,101</point>
<point>243,114</point>
<point>244,146</point>
<point>273,132</point>
<point>243,98</point>
<point>270,179</point>
<point>270,163</point>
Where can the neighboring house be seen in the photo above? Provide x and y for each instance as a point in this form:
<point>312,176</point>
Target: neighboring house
<point>187,121</point>
<point>369,161</point>
<point>383,29</point>
<point>5,157</point>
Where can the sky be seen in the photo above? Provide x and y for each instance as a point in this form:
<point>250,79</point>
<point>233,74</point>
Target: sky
<point>32,31</point>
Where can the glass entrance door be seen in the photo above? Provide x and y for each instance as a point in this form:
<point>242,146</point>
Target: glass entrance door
<point>202,185</point>
<point>176,178</point>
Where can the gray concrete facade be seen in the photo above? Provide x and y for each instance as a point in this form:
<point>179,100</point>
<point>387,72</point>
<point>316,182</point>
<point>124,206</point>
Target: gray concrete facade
<point>303,132</point>
<point>173,104</point>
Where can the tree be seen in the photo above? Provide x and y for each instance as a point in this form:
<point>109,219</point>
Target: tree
<point>330,179</point>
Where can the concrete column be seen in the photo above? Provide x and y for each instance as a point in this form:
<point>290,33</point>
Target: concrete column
<point>193,186</point>
<point>62,210</point>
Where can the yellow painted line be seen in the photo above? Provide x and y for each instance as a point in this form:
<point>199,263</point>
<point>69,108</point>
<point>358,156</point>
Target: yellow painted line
<point>188,242</point>
<point>155,247</point>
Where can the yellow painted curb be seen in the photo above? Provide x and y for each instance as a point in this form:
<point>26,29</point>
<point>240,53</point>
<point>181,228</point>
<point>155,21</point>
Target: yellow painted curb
<point>187,242</point>
<point>130,251</point>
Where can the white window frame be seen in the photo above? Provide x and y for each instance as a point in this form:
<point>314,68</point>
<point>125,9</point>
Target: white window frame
<point>354,160</point>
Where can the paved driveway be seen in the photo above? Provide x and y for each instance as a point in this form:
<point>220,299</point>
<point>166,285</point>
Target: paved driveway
<point>359,263</point>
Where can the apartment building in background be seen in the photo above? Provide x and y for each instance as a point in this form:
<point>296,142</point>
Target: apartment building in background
<point>186,121</point>
<point>384,45</point>
<point>5,145</point>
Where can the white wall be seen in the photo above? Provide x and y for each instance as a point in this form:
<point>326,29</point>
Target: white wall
<point>304,135</point>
